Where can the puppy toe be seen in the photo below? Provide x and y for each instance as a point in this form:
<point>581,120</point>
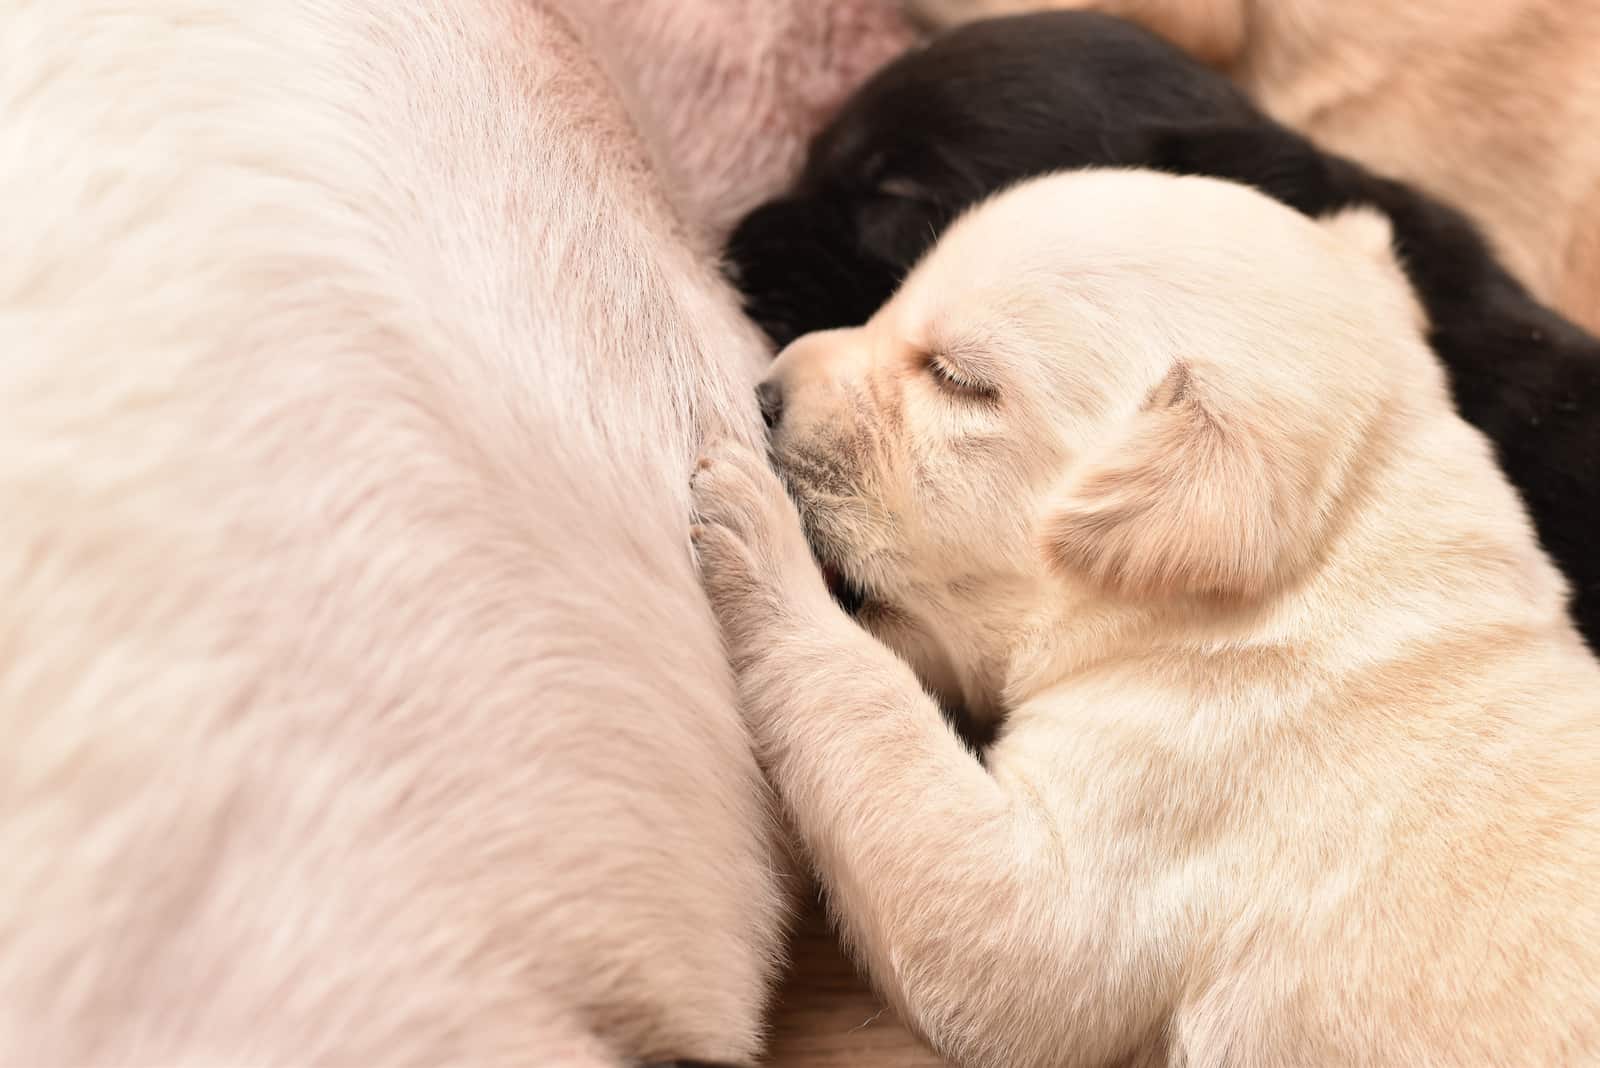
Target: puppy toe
<point>739,499</point>
<point>734,581</point>
<point>729,490</point>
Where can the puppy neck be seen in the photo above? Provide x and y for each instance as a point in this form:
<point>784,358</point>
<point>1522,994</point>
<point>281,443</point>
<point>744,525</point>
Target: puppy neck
<point>963,640</point>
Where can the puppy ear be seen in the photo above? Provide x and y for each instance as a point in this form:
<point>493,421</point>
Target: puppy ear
<point>1370,233</point>
<point>1364,229</point>
<point>1185,504</point>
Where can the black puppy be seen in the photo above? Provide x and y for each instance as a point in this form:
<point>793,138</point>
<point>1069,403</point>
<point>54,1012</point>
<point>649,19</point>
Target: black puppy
<point>998,101</point>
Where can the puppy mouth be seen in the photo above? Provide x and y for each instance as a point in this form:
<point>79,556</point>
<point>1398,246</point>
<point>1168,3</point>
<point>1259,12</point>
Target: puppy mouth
<point>859,600</point>
<point>848,594</point>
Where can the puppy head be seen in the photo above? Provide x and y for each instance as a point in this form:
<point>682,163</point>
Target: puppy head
<point>943,127</point>
<point>1148,386</point>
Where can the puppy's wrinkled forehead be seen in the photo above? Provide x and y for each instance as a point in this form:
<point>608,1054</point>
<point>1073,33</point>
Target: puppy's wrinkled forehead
<point>1111,229</point>
<point>1140,266</point>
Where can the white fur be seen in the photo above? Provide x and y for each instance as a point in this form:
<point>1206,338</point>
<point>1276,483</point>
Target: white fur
<point>1301,754</point>
<point>360,703</point>
<point>770,71</point>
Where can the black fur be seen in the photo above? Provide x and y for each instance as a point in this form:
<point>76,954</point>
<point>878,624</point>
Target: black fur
<point>999,101</point>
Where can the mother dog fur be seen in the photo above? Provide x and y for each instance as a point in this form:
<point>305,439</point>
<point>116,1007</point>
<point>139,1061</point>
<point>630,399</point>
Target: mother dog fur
<point>1301,754</point>
<point>360,702</point>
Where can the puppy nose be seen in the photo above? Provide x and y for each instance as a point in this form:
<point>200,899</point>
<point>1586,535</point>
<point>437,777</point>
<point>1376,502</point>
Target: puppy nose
<point>769,395</point>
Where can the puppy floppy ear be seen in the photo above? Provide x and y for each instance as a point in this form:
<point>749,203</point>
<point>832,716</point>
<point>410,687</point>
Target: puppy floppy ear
<point>1186,503</point>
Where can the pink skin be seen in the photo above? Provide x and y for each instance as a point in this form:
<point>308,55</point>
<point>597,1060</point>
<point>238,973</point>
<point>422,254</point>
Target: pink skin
<point>728,92</point>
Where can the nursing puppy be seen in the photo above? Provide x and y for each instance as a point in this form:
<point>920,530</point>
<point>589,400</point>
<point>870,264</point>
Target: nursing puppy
<point>999,101</point>
<point>1495,107</point>
<point>1301,755</point>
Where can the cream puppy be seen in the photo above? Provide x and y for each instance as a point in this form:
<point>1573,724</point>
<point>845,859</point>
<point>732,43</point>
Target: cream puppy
<point>1300,761</point>
<point>1493,106</point>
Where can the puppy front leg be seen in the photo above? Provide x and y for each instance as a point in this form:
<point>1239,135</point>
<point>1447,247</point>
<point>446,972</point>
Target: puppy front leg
<point>953,892</point>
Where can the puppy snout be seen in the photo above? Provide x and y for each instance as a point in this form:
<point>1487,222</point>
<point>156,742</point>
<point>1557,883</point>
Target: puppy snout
<point>769,395</point>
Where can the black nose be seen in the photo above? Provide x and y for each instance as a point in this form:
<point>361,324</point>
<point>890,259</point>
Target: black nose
<point>769,395</point>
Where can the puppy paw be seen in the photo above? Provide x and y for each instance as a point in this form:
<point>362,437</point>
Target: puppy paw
<point>755,564</point>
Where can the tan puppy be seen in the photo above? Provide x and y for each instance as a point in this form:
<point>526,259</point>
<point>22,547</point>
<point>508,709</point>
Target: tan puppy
<point>1301,756</point>
<point>1492,106</point>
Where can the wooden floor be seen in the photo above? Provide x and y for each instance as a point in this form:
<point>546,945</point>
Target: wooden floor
<point>825,1017</point>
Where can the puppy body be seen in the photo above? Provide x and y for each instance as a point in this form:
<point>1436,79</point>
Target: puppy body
<point>361,704</point>
<point>999,101</point>
<point>1301,757</point>
<point>1494,107</point>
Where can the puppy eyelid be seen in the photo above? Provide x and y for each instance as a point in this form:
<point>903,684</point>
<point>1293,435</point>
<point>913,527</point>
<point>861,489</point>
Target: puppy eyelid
<point>903,188</point>
<point>954,381</point>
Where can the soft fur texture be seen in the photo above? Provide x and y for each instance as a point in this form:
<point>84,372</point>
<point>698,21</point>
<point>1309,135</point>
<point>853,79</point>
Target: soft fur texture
<point>732,89</point>
<point>360,702</point>
<point>1003,100</point>
<point>1493,106</point>
<point>1301,755</point>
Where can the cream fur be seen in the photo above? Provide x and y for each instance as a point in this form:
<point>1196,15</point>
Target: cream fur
<point>360,702</point>
<point>1493,106</point>
<point>1301,755</point>
<point>770,71</point>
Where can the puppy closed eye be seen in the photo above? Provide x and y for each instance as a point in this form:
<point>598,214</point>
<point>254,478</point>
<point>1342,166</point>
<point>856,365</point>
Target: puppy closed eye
<point>904,189</point>
<point>898,222</point>
<point>955,381</point>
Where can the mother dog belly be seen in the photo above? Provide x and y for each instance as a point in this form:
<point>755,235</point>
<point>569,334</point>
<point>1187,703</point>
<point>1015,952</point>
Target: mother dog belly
<point>732,90</point>
<point>360,702</point>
